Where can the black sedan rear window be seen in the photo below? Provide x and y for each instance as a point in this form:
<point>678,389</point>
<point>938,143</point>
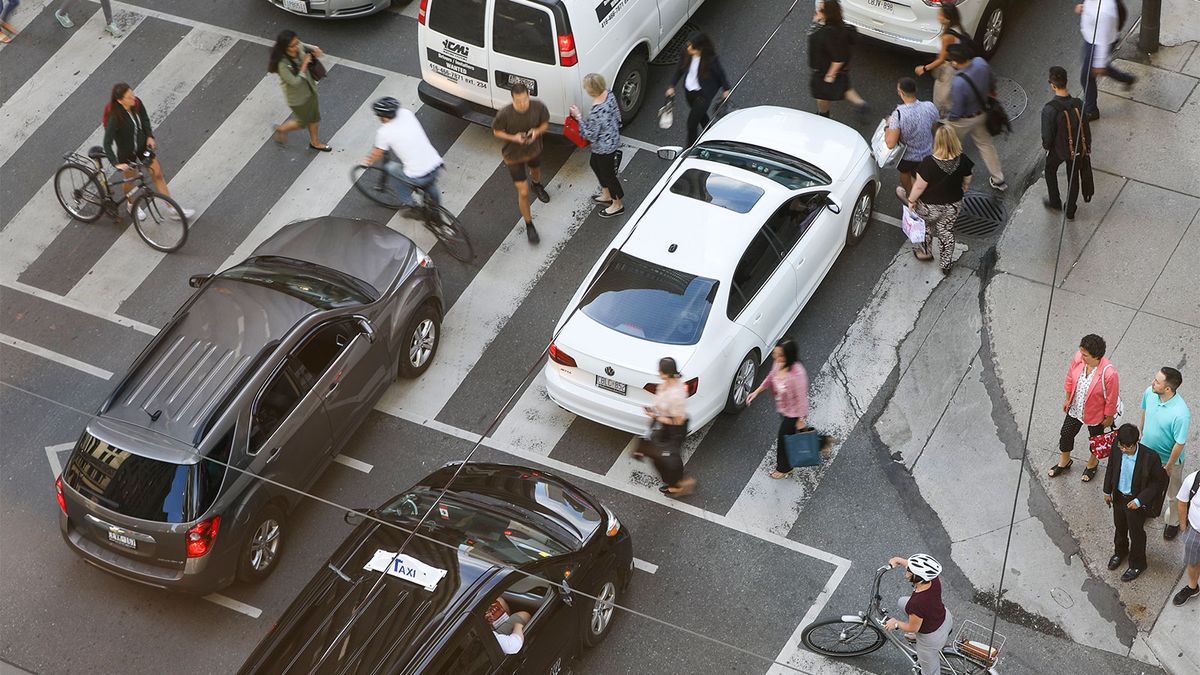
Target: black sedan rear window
<point>649,301</point>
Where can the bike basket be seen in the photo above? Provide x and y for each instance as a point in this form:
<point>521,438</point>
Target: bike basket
<point>979,643</point>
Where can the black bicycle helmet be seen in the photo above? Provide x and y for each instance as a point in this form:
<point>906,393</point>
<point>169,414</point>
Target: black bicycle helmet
<point>386,107</point>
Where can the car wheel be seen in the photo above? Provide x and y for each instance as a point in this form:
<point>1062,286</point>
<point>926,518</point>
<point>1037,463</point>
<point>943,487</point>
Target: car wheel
<point>991,28</point>
<point>420,343</point>
<point>630,87</point>
<point>743,383</point>
<point>601,612</point>
<point>860,217</point>
<point>263,546</point>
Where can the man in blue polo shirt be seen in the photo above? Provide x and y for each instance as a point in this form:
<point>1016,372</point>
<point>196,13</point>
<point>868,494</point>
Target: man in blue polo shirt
<point>1165,423</point>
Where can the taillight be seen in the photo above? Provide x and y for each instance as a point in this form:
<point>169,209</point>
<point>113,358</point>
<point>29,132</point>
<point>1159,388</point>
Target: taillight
<point>421,12</point>
<point>201,536</point>
<point>566,50</point>
<point>62,503</point>
<point>934,3</point>
<point>690,386</point>
<point>559,356</point>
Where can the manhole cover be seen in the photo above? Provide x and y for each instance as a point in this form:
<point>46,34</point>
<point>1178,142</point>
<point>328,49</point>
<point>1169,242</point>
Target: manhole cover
<point>671,54</point>
<point>982,213</point>
<point>1011,96</point>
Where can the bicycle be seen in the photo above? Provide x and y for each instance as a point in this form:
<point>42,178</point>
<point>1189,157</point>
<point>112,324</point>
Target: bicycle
<point>86,192</point>
<point>856,635</point>
<point>379,185</point>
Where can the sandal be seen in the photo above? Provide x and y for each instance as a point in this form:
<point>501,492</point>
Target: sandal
<point>781,474</point>
<point>1056,469</point>
<point>922,255</point>
<point>1089,473</point>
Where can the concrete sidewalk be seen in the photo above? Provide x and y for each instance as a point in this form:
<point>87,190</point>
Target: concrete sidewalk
<point>1127,271</point>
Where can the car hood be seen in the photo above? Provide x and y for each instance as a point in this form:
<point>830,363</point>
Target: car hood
<point>360,248</point>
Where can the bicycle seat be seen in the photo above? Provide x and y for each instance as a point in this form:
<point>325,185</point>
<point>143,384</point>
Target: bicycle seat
<point>96,152</point>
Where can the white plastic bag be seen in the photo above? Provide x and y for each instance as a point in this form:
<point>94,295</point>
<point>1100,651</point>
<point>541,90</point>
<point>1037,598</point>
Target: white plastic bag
<point>885,157</point>
<point>666,114</point>
<point>913,226</point>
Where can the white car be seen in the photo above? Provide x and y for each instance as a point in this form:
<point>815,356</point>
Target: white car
<point>914,23</point>
<point>714,266</point>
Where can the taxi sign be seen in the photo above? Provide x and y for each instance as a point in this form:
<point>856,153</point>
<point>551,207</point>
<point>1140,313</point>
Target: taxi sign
<point>406,568</point>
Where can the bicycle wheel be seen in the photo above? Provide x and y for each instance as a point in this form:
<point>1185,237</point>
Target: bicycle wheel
<point>955,663</point>
<point>378,185</point>
<point>160,222</point>
<point>842,638</point>
<point>79,192</point>
<point>449,231</point>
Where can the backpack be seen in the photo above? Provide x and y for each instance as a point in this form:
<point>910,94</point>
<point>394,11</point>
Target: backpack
<point>1067,130</point>
<point>973,49</point>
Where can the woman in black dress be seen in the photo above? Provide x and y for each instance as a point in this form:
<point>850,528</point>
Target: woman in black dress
<point>829,42</point>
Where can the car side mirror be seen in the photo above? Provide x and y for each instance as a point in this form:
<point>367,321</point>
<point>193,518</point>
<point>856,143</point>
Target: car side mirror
<point>367,329</point>
<point>669,152</point>
<point>567,598</point>
<point>833,204</point>
<point>197,280</point>
<point>355,517</point>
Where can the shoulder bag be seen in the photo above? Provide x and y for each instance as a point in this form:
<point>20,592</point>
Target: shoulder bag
<point>573,133</point>
<point>1101,444</point>
<point>996,118</point>
<point>803,448</point>
<point>886,157</point>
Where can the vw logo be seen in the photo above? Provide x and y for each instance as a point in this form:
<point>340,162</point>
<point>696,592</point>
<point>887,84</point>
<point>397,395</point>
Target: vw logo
<point>608,370</point>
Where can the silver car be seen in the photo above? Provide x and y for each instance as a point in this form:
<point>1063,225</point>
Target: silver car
<point>269,368</point>
<point>333,9</point>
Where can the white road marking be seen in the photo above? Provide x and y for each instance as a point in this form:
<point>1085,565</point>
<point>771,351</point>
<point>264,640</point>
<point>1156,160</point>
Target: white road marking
<point>886,219</point>
<point>410,9</point>
<point>55,356</point>
<point>26,12</point>
<point>128,262</point>
<point>535,422</point>
<point>796,655</point>
<point>52,456</point>
<point>240,607</point>
<point>645,566</point>
<point>496,291</point>
<point>355,464</point>
<point>80,307</point>
<point>641,472</point>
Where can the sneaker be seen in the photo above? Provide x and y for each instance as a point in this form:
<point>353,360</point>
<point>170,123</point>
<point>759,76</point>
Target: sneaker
<point>187,213</point>
<point>64,20</point>
<point>531,233</point>
<point>1184,595</point>
<point>998,185</point>
<point>540,192</point>
<point>141,213</point>
<point>1170,532</point>
<point>113,30</point>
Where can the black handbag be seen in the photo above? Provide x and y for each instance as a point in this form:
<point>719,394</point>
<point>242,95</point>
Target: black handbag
<point>996,120</point>
<point>317,69</point>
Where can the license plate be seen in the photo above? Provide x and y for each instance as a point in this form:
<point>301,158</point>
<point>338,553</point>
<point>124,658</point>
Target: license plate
<point>296,6</point>
<point>882,4</point>
<point>611,385</point>
<point>122,539</point>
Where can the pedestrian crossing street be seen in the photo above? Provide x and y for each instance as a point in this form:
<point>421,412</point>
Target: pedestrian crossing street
<point>213,106</point>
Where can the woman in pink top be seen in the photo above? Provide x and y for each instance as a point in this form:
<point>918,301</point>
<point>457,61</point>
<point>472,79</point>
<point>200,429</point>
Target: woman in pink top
<point>1092,387</point>
<point>789,384</point>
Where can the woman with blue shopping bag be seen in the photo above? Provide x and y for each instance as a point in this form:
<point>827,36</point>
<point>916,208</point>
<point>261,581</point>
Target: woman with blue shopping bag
<point>788,383</point>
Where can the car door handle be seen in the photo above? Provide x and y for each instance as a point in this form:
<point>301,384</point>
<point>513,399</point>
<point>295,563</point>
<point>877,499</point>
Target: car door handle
<point>332,388</point>
<point>272,455</point>
<point>799,262</point>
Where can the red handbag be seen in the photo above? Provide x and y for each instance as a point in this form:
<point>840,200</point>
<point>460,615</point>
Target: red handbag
<point>572,132</point>
<point>1101,444</point>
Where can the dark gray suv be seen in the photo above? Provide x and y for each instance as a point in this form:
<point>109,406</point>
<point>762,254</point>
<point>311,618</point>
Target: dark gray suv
<point>269,367</point>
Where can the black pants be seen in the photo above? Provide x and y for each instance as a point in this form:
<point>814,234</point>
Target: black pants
<point>1070,429</point>
<point>697,114</point>
<point>605,168</point>
<point>787,426</point>
<point>1130,525</point>
<point>1053,161</point>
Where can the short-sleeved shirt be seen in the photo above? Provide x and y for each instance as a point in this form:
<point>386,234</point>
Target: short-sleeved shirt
<point>1166,424</point>
<point>915,121</point>
<point>509,644</point>
<point>945,187</point>
<point>928,605</point>
<point>510,121</point>
<point>406,140</point>
<point>670,399</point>
<point>1194,505</point>
<point>828,45</point>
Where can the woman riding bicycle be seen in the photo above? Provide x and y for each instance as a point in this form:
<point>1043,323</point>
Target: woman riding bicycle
<point>415,161</point>
<point>928,619</point>
<point>127,126</point>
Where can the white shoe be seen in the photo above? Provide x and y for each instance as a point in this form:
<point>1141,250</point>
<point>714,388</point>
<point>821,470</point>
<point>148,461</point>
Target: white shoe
<point>113,30</point>
<point>187,213</point>
<point>64,20</point>
<point>141,213</point>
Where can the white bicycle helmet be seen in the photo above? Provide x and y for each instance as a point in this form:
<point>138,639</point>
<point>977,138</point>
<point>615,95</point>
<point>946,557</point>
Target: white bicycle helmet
<point>924,567</point>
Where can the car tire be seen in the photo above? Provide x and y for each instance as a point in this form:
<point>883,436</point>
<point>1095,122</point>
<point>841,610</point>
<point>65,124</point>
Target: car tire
<point>742,383</point>
<point>860,215</point>
<point>263,546</point>
<point>630,85</point>
<point>600,614</point>
<point>991,28</point>
<point>419,342</point>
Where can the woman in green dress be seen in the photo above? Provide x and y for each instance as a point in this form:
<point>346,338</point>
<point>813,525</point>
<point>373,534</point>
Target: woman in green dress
<point>292,61</point>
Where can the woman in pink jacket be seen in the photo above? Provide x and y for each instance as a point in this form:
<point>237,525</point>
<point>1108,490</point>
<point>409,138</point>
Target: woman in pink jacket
<point>1092,388</point>
<point>789,383</point>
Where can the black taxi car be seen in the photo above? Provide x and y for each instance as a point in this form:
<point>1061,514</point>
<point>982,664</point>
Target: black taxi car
<point>500,530</point>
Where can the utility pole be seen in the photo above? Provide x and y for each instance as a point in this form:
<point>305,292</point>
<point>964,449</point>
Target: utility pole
<point>1151,15</point>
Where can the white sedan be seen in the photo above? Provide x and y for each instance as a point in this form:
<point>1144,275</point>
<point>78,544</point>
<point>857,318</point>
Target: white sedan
<point>714,266</point>
<point>914,23</point>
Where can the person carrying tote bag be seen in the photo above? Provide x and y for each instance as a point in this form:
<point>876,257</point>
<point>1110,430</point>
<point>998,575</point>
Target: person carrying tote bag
<point>788,382</point>
<point>910,128</point>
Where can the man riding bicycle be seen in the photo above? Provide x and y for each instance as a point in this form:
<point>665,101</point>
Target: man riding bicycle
<point>413,159</point>
<point>928,619</point>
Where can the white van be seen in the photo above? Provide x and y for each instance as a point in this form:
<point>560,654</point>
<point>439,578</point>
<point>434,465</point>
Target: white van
<point>473,51</point>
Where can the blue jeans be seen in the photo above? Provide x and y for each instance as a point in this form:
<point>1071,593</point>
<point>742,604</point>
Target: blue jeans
<point>1087,79</point>
<point>404,183</point>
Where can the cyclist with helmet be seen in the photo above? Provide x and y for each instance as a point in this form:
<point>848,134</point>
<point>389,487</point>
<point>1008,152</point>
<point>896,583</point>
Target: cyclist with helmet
<point>928,619</point>
<point>413,158</point>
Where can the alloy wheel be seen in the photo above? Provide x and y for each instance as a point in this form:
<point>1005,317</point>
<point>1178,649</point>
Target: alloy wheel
<point>991,34</point>
<point>264,545</point>
<point>862,213</point>
<point>743,382</point>
<point>603,610</point>
<point>423,339</point>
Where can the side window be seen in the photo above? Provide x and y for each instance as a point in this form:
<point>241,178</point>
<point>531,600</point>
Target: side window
<point>274,404</point>
<point>793,219</point>
<point>524,32</point>
<point>752,271</point>
<point>319,350</point>
<point>464,653</point>
<point>459,19</point>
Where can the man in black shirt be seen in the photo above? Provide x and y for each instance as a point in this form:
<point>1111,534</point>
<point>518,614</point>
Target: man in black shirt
<point>1067,138</point>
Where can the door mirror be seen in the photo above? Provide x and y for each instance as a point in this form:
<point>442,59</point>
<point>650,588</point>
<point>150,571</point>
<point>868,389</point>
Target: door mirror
<point>669,152</point>
<point>567,597</point>
<point>355,517</point>
<point>833,204</point>
<point>366,328</point>
<point>197,280</point>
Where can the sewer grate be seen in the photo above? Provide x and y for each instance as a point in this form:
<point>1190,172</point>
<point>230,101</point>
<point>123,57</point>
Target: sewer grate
<point>981,215</point>
<point>1012,96</point>
<point>671,54</point>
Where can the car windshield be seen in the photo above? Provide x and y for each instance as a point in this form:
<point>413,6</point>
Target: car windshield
<point>317,285</point>
<point>716,189</point>
<point>792,173</point>
<point>488,532</point>
<point>649,301</point>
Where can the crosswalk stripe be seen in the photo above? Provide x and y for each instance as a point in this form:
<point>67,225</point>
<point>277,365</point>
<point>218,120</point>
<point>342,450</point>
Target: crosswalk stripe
<point>42,218</point>
<point>27,11</point>
<point>129,261</point>
<point>642,472</point>
<point>41,94</point>
<point>535,423</point>
<point>54,356</point>
<point>492,296</point>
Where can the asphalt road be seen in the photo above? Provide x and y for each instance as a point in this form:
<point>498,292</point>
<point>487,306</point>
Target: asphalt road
<point>61,615</point>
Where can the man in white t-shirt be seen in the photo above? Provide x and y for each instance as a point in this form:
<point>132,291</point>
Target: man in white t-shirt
<point>413,157</point>
<point>509,629</point>
<point>1189,520</point>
